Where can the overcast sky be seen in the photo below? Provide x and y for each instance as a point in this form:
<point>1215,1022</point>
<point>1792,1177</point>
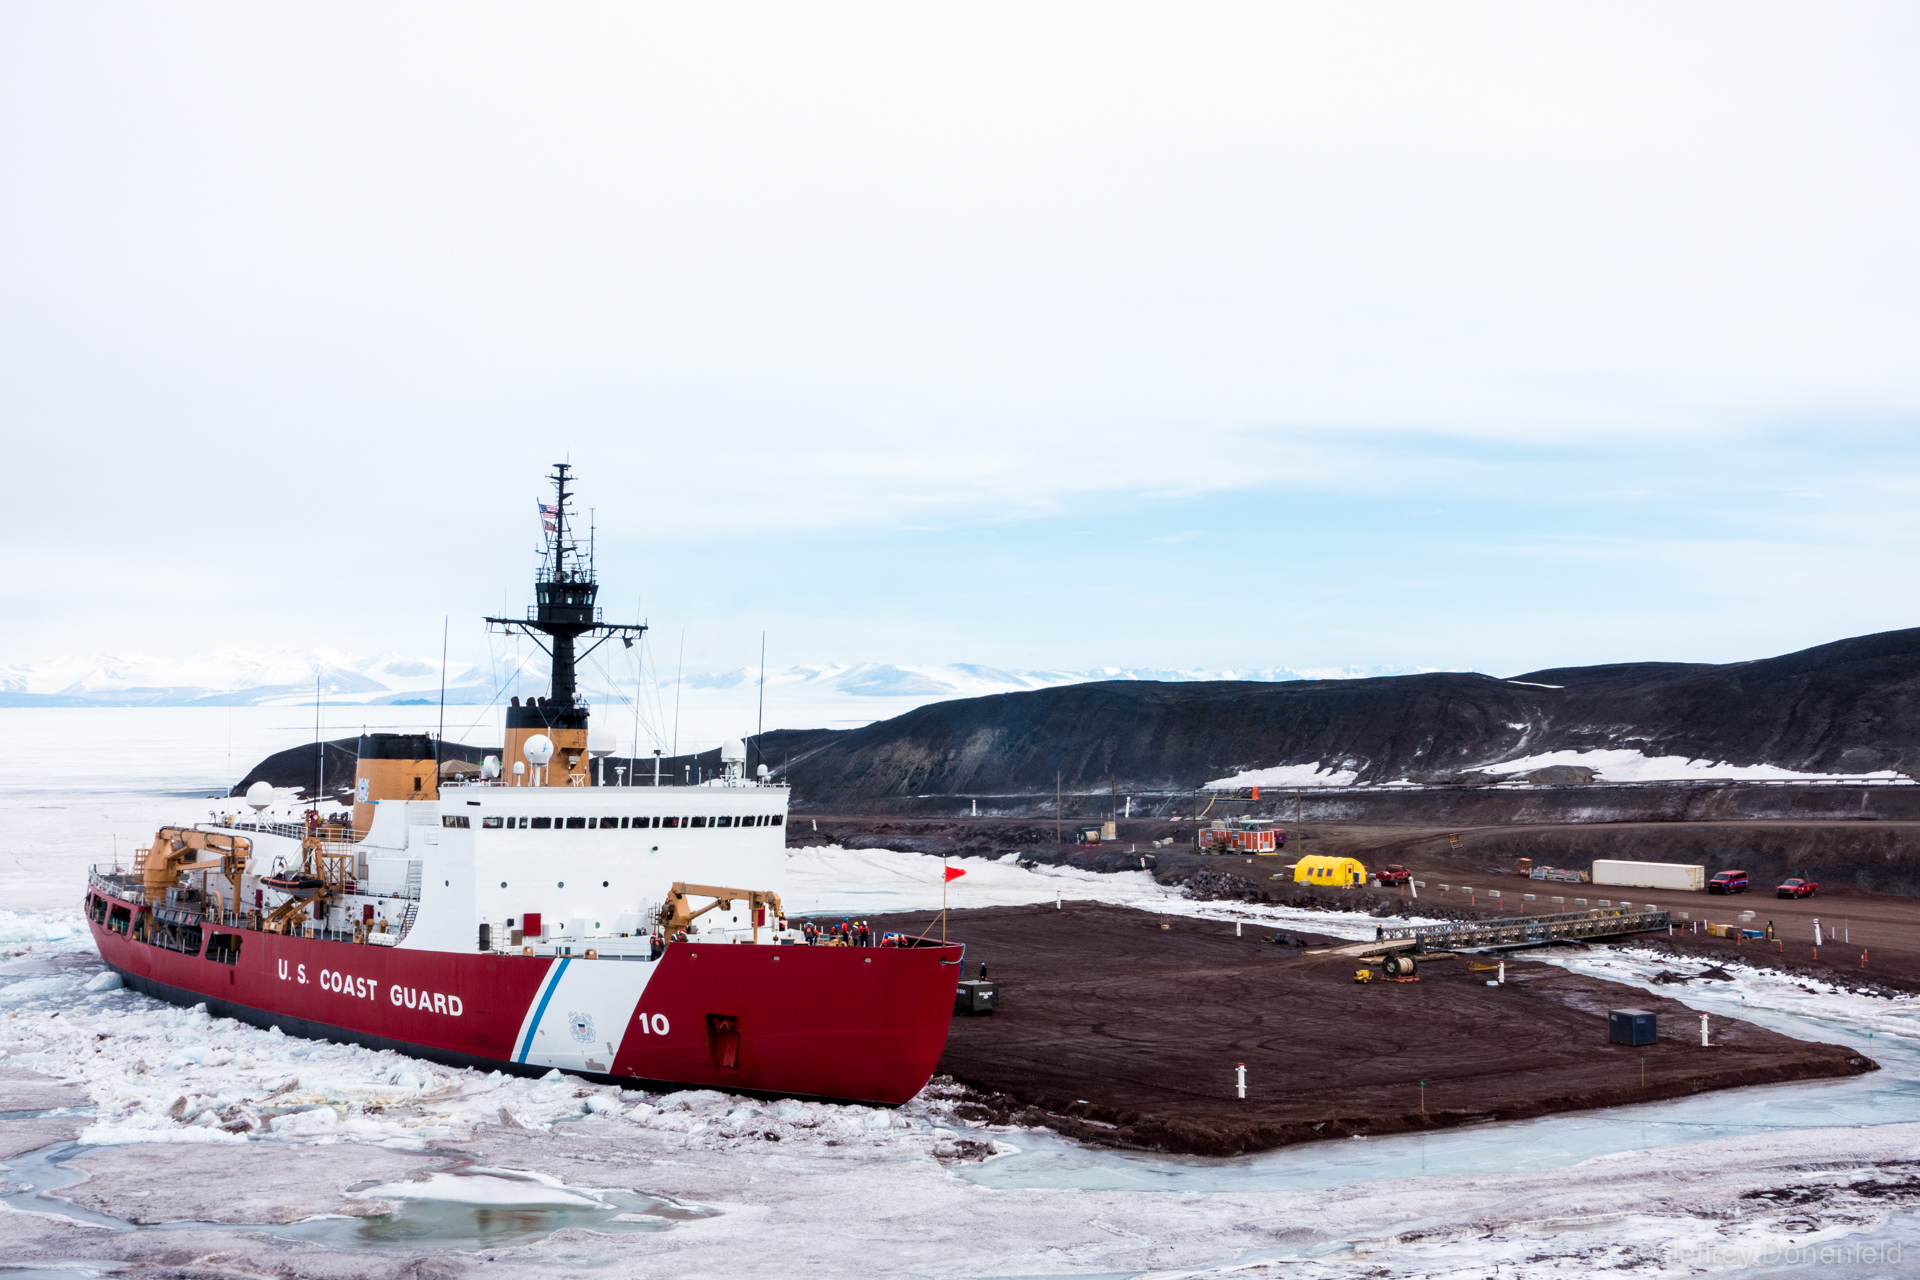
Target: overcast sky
<point>1036,335</point>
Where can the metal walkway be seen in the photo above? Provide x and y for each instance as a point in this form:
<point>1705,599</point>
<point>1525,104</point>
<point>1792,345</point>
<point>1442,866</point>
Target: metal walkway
<point>1519,931</point>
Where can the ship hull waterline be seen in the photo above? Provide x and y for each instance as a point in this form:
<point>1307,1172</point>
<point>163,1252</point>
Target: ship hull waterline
<point>840,1024</point>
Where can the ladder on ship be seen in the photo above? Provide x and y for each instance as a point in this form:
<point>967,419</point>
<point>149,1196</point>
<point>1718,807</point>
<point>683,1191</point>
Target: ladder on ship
<point>412,912</point>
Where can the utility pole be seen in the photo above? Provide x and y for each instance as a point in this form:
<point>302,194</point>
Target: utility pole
<point>1057,837</point>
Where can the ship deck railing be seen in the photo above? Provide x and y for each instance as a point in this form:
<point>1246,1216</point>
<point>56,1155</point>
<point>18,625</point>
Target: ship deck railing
<point>1521,931</point>
<point>341,834</point>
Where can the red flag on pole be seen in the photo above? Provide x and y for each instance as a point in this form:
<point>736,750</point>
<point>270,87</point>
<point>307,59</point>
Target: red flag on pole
<point>953,873</point>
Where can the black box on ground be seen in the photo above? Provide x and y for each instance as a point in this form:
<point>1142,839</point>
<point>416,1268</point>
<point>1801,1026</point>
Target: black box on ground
<point>1631,1026</point>
<point>976,996</point>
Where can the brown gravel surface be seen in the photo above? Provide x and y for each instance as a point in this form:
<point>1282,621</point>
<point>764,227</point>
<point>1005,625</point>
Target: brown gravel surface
<point>1118,1030</point>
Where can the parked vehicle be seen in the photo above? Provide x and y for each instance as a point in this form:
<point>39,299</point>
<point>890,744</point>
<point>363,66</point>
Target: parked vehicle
<point>1796,888</point>
<point>1728,882</point>
<point>1393,875</point>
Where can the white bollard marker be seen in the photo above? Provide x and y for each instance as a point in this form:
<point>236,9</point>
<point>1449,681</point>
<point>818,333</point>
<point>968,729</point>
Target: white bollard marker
<point>1503,973</point>
<point>1056,901</point>
<point>1816,931</point>
<point>1703,1030</point>
<point>1241,1072</point>
<point>1236,928</point>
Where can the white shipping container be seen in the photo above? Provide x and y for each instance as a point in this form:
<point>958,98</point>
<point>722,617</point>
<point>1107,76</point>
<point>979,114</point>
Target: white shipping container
<point>1650,875</point>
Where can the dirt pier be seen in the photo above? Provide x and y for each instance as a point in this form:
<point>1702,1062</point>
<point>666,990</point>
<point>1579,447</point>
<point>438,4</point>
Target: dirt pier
<point>1125,1028</point>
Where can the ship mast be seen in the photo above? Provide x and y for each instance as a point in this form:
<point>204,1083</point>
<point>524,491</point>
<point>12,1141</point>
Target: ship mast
<point>562,615</point>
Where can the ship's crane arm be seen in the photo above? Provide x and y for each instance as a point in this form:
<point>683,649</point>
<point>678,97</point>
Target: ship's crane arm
<point>677,913</point>
<point>174,853</point>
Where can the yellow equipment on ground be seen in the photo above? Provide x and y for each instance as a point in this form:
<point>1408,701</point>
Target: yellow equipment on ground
<point>1363,975</point>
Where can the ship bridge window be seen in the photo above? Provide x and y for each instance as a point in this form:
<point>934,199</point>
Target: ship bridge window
<point>540,824</point>
<point>699,822</point>
<point>576,824</point>
<point>493,824</point>
<point>723,822</point>
<point>454,820</point>
<point>611,822</point>
<point>778,818</point>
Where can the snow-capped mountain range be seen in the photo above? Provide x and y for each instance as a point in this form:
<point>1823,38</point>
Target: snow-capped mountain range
<point>235,678</point>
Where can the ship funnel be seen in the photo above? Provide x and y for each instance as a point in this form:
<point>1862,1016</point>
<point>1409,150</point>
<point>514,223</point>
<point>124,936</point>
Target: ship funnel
<point>393,766</point>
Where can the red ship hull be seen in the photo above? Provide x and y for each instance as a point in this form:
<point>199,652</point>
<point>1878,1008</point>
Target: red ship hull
<point>856,1024</point>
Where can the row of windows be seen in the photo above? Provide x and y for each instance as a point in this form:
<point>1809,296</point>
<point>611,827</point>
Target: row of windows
<point>590,824</point>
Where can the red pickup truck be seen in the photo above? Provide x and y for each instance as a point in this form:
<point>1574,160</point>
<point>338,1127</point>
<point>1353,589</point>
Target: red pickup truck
<point>1796,888</point>
<point>1393,874</point>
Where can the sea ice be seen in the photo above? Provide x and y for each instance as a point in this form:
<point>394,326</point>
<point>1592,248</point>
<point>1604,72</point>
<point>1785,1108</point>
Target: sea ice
<point>481,1188</point>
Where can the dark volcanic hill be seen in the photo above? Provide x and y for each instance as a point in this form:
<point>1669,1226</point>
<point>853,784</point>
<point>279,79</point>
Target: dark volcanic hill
<point>1848,707</point>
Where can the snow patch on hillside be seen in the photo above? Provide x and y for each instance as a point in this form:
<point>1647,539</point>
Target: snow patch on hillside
<point>1287,775</point>
<point>1623,765</point>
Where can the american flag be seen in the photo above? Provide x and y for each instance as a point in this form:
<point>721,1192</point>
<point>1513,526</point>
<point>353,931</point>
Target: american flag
<point>549,517</point>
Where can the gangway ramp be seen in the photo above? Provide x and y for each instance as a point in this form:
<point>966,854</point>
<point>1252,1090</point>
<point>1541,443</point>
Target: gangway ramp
<point>1523,931</point>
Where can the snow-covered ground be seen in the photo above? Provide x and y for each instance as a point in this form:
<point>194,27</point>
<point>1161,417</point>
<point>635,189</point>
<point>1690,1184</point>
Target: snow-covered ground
<point>1612,765</point>
<point>1631,766</point>
<point>1287,775</point>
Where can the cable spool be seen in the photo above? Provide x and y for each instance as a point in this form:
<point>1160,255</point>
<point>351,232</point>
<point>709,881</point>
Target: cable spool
<point>1400,964</point>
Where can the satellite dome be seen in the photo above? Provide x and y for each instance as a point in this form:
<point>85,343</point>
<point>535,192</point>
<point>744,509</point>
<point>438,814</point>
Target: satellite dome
<point>539,750</point>
<point>761,771</point>
<point>733,751</point>
<point>490,767</point>
<point>601,742</point>
<point>260,795</point>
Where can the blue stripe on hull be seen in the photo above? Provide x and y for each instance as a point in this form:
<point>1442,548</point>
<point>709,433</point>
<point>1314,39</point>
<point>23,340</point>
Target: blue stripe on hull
<point>540,1010</point>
